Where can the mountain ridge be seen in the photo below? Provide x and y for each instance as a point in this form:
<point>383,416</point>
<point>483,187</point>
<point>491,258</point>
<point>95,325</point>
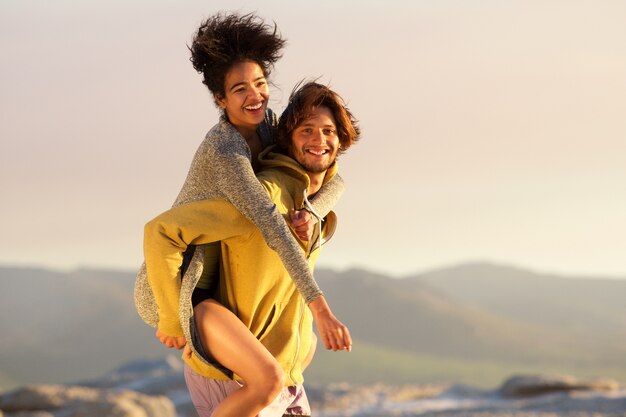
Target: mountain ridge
<point>86,318</point>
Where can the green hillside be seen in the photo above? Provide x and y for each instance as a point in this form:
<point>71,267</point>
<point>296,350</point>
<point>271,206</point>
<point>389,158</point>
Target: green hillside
<point>475,324</point>
<point>372,364</point>
<point>590,304</point>
<point>62,327</point>
<point>413,316</point>
<point>456,325</point>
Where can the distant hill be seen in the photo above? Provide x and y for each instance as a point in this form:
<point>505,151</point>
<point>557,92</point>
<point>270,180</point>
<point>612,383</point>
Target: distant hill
<point>59,327</point>
<point>471,323</point>
<point>483,311</point>
<point>476,323</point>
<point>590,305</point>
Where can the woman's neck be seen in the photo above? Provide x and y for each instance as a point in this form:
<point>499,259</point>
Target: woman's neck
<point>249,133</point>
<point>253,140</point>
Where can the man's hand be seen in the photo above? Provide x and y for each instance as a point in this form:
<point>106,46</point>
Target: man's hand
<point>171,341</point>
<point>303,224</point>
<point>334,334</point>
<point>187,352</point>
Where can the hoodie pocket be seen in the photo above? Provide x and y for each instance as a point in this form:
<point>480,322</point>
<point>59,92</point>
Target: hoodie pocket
<point>270,321</point>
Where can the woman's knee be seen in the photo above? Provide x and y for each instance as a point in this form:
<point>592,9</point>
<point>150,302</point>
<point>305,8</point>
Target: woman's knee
<point>276,378</point>
<point>269,383</point>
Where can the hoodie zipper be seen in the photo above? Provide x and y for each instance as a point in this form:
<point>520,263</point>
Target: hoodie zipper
<point>309,207</point>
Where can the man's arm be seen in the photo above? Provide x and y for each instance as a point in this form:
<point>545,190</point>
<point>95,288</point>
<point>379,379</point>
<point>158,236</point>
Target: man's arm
<point>166,238</point>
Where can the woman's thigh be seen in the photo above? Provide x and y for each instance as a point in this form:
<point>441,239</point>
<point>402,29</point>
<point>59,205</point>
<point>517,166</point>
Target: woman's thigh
<point>226,339</point>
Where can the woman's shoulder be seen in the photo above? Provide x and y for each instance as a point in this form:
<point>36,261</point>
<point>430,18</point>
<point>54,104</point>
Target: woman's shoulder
<point>223,138</point>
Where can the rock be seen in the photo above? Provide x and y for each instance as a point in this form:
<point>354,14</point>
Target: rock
<point>531,385</point>
<point>168,366</point>
<point>44,397</point>
<point>78,401</point>
<point>161,376</point>
<point>345,398</point>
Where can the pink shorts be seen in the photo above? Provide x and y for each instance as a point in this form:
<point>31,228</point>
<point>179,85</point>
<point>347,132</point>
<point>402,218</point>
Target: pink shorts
<point>207,393</point>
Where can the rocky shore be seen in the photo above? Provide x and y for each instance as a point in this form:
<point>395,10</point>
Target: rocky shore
<point>156,388</point>
<point>520,396</point>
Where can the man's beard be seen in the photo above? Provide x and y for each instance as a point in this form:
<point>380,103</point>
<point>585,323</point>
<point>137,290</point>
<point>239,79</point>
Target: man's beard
<point>316,168</point>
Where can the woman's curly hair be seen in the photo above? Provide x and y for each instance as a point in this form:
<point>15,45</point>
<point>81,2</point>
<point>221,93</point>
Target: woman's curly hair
<point>226,39</point>
<point>305,97</point>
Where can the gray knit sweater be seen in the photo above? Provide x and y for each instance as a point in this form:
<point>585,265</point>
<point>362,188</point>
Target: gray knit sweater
<point>222,168</point>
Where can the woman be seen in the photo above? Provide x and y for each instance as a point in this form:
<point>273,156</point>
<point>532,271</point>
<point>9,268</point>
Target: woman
<point>235,54</point>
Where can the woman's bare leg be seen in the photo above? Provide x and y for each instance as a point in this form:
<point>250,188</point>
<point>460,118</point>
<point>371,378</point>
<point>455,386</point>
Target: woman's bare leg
<point>231,343</point>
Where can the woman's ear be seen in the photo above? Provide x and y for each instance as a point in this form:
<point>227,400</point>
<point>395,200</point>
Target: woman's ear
<point>220,102</point>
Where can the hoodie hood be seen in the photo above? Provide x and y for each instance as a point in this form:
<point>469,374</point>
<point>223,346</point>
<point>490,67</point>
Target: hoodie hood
<point>270,159</point>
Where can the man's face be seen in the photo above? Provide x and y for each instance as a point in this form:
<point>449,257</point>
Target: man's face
<point>314,143</point>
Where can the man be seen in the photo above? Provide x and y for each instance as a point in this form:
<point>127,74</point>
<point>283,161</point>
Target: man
<point>254,285</point>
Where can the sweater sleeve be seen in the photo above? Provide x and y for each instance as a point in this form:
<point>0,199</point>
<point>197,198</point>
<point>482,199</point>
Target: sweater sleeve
<point>240,186</point>
<point>328,196</point>
<point>166,238</point>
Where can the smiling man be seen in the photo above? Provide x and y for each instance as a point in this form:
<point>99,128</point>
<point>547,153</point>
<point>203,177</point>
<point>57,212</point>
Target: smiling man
<point>315,127</point>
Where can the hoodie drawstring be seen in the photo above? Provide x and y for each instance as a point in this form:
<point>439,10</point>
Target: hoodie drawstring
<point>309,207</point>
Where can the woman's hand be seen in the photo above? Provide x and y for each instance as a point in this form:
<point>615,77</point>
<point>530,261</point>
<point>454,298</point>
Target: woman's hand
<point>334,334</point>
<point>171,341</point>
<point>303,224</point>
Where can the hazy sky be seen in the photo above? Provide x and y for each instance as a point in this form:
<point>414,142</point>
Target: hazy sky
<point>492,130</point>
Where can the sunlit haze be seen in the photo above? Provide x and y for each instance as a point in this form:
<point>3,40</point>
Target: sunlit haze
<point>492,130</point>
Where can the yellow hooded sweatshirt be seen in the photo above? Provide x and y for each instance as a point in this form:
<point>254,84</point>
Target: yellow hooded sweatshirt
<point>254,284</point>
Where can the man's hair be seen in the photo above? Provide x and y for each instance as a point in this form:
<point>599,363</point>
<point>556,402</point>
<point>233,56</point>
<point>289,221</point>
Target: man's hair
<point>227,39</point>
<point>304,98</point>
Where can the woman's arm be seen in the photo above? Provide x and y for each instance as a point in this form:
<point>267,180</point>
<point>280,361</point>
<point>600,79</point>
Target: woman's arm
<point>328,196</point>
<point>239,185</point>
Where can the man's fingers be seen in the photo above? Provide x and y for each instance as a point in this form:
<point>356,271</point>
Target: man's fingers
<point>160,336</point>
<point>297,222</point>
<point>170,341</point>
<point>180,342</point>
<point>295,216</point>
<point>298,219</point>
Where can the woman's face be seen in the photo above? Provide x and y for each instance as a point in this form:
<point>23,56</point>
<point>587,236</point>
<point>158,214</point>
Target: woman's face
<point>245,95</point>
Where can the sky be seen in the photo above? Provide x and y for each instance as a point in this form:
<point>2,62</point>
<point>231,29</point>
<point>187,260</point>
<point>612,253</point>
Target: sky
<point>491,130</point>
